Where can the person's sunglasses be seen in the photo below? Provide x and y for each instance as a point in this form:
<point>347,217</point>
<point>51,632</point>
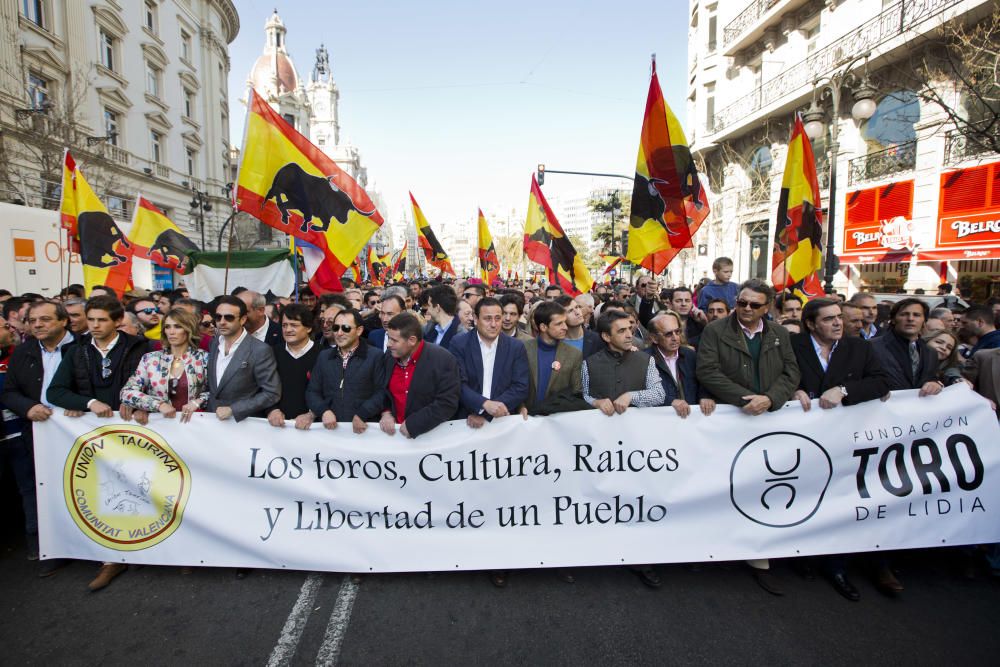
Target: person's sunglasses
<point>148,311</point>
<point>469,295</point>
<point>743,303</point>
<point>206,324</point>
<point>105,368</point>
<point>228,317</point>
<point>346,328</point>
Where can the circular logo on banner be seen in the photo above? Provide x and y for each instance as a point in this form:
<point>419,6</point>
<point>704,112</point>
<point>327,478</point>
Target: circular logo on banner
<point>124,487</point>
<point>779,479</point>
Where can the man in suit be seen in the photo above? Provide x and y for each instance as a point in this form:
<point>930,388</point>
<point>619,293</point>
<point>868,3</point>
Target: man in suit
<point>423,384</point>
<point>242,373</point>
<point>677,364</point>
<point>493,368</point>
<point>442,306</point>
<point>258,324</point>
<point>905,357</point>
<point>555,381</point>
<point>869,313</point>
<point>389,306</point>
<point>30,370</point>
<point>747,361</point>
<point>838,370</point>
<point>513,309</point>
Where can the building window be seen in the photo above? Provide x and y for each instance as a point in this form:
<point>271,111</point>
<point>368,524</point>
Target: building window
<point>710,106</point>
<point>107,47</point>
<point>153,75</point>
<point>812,37</point>
<point>713,32</point>
<point>321,140</point>
<point>34,11</point>
<point>188,104</point>
<point>192,159</point>
<point>111,126</point>
<point>185,45</point>
<point>894,121</point>
<point>38,91</point>
<point>289,118</point>
<point>156,146</point>
<point>118,207</point>
<point>760,167</point>
<point>149,16</point>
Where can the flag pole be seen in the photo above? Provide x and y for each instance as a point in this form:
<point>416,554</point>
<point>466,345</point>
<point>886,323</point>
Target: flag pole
<point>295,263</point>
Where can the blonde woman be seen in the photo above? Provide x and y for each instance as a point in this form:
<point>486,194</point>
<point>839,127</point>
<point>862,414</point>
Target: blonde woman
<point>173,379</point>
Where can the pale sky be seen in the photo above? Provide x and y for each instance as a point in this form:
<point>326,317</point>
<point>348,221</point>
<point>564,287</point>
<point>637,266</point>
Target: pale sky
<point>459,101</point>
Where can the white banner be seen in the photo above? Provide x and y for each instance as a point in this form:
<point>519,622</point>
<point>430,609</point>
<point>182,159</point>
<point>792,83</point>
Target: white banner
<point>573,489</point>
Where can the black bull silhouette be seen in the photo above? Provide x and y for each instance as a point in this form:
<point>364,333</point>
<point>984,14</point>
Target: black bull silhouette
<point>313,196</point>
<point>99,240</point>
<point>437,250</point>
<point>171,248</point>
<point>561,251</point>
<point>647,197</point>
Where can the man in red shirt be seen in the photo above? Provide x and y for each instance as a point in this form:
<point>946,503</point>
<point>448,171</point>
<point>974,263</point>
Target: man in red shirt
<point>424,385</point>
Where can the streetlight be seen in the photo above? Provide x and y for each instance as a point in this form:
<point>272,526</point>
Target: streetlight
<point>200,205</point>
<point>864,108</point>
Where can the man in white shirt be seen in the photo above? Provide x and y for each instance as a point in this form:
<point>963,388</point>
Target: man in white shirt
<point>259,325</point>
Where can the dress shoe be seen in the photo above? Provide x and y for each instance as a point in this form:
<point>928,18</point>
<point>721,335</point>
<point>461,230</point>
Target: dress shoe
<point>499,578</point>
<point>887,582</point>
<point>647,575</point>
<point>767,581</point>
<point>104,576</point>
<point>845,587</point>
<point>51,566</point>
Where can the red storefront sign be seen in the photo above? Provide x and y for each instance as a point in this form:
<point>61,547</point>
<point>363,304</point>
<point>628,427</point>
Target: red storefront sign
<point>878,226</point>
<point>969,212</point>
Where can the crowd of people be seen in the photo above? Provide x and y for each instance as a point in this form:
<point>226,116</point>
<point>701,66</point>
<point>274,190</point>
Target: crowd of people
<point>407,357</point>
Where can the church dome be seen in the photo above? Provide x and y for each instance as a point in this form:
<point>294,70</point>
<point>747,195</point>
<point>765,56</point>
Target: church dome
<point>273,71</point>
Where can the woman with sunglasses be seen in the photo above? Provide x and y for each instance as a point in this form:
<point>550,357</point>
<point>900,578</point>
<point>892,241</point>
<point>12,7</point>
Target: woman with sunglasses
<point>173,379</point>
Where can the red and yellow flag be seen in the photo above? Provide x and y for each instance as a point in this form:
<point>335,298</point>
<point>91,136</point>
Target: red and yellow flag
<point>489,263</point>
<point>668,202</point>
<point>546,243</point>
<point>105,253</point>
<point>433,252</point>
<point>399,263</point>
<point>612,261</point>
<point>156,238</point>
<point>377,266</point>
<point>797,258</point>
<point>289,184</point>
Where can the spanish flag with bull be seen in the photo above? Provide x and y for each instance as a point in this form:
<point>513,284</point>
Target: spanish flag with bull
<point>289,184</point>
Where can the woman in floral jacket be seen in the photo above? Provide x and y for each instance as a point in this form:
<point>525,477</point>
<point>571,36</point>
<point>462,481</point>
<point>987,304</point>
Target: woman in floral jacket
<point>174,378</point>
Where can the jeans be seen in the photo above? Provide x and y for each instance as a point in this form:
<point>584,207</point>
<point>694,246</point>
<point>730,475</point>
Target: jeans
<point>17,456</point>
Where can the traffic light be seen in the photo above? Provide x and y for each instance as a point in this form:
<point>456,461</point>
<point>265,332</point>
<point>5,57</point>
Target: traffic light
<point>541,174</point>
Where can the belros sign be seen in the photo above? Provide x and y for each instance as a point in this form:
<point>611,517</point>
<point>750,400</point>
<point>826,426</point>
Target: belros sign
<point>572,489</point>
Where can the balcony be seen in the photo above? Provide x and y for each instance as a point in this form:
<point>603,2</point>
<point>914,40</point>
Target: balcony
<point>962,145</point>
<point>882,164</point>
<point>162,170</point>
<point>904,16</point>
<point>115,154</point>
<point>750,24</point>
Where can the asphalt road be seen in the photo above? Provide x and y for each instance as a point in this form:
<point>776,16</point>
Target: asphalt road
<point>715,615</point>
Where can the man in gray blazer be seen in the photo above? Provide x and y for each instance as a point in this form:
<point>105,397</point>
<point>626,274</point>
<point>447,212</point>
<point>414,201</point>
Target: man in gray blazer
<point>242,374</point>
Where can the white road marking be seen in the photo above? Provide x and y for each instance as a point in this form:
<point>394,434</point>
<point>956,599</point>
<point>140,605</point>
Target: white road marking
<point>336,629</point>
<point>284,650</point>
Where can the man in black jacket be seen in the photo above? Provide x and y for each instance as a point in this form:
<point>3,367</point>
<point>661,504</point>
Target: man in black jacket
<point>442,306</point>
<point>91,376</point>
<point>905,357</point>
<point>837,370</point>
<point>347,383</point>
<point>422,380</point>
<point>30,369</point>
<point>295,361</point>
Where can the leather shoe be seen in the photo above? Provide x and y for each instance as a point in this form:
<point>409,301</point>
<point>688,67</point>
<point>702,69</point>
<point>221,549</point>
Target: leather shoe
<point>845,587</point>
<point>104,576</point>
<point>767,581</point>
<point>647,575</point>
<point>51,566</point>
<point>887,582</point>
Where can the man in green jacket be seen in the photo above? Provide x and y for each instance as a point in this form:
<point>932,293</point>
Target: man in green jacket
<point>747,361</point>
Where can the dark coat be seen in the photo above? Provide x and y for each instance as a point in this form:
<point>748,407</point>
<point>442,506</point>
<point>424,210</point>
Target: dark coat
<point>894,356</point>
<point>430,333</point>
<point>377,340</point>
<point>72,388</point>
<point>435,389</point>
<point>510,373</point>
<point>853,364</point>
<point>358,391</point>
<point>22,390</point>
<point>273,336</point>
<point>687,367</point>
<point>592,343</point>
<point>725,368</point>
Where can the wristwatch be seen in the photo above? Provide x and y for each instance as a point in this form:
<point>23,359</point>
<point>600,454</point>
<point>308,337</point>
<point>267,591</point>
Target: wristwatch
<point>843,390</point>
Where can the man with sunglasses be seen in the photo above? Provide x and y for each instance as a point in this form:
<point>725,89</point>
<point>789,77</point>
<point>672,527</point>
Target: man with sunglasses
<point>473,292</point>
<point>677,365</point>
<point>91,376</point>
<point>347,381</point>
<point>242,374</point>
<point>747,361</point>
<point>149,315</point>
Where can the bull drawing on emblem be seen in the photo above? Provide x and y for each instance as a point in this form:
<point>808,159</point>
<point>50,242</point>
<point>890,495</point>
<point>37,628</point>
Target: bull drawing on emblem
<point>99,240</point>
<point>561,251</point>
<point>315,197</point>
